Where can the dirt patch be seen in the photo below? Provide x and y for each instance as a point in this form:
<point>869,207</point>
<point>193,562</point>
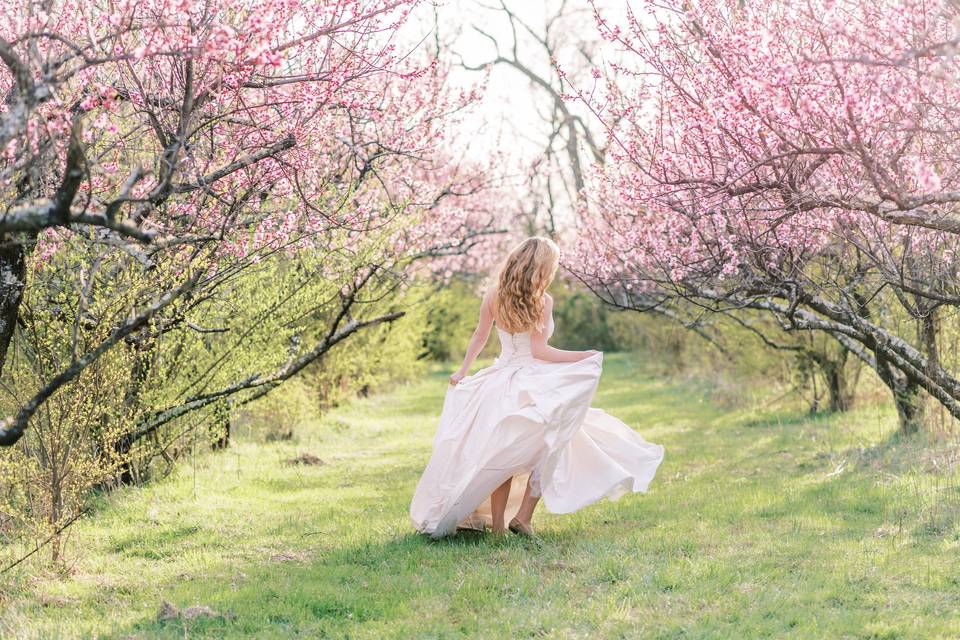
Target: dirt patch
<point>169,611</point>
<point>50,600</point>
<point>290,556</point>
<point>306,459</point>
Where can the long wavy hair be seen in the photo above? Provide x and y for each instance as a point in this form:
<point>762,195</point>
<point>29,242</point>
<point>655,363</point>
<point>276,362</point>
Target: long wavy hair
<point>522,283</point>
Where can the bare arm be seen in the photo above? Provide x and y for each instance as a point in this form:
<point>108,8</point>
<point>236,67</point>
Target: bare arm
<point>543,351</point>
<point>478,339</point>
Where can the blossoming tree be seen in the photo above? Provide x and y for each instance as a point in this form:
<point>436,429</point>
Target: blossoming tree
<point>155,152</point>
<point>794,159</point>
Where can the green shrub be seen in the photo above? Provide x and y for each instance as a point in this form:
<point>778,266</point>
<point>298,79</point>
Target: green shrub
<point>373,360</point>
<point>449,321</point>
<point>582,320</point>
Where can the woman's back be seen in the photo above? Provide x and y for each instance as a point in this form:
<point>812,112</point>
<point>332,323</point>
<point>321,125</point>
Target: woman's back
<point>528,417</point>
<point>516,348</point>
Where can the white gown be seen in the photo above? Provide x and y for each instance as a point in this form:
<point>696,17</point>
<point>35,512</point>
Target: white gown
<point>521,417</point>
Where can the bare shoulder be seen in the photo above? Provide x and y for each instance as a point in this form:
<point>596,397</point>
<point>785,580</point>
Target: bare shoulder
<point>549,300</point>
<point>489,299</point>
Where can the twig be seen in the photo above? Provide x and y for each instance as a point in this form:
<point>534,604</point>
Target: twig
<point>53,535</point>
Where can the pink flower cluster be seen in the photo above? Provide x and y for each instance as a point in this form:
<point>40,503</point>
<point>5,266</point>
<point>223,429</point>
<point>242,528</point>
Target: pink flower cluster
<point>191,95</point>
<point>750,137</point>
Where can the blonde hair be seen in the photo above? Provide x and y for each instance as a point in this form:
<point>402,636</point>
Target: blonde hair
<point>522,283</point>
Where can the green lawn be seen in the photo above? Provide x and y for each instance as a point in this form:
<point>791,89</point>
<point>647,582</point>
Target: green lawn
<point>760,524</point>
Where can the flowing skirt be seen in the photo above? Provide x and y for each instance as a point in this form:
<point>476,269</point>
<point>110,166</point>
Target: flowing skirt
<point>521,419</point>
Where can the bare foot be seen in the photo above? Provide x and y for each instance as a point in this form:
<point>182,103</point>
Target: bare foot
<point>521,528</point>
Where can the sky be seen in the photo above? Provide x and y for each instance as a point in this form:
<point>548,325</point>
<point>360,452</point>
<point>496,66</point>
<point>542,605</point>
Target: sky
<point>511,117</point>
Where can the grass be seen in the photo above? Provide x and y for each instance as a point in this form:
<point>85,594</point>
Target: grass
<point>761,524</point>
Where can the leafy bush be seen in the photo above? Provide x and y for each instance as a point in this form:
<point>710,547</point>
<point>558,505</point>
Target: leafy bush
<point>98,430</point>
<point>450,319</point>
<point>279,414</point>
<point>582,321</point>
<point>373,361</point>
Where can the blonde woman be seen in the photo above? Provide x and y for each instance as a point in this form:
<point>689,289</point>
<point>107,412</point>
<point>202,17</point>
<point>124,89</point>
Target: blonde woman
<point>523,429</point>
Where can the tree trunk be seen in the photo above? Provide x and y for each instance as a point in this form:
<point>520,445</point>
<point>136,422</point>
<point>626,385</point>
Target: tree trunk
<point>929,327</point>
<point>123,444</point>
<point>906,392</point>
<point>837,387</point>
<point>834,374</point>
<point>906,396</point>
<point>121,447</point>
<point>910,409</point>
<point>12,281</point>
<point>220,428</point>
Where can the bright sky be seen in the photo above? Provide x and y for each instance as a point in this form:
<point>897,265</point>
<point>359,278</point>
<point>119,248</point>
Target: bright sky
<point>514,114</point>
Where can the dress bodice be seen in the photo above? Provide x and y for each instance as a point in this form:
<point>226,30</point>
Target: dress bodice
<point>515,348</point>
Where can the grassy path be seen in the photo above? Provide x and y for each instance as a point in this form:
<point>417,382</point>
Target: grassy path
<point>759,525</point>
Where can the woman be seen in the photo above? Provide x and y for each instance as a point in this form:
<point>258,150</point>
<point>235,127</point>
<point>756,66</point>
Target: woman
<point>525,424</point>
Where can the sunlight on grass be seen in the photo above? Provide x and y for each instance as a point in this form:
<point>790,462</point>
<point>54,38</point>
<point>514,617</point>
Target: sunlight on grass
<point>761,523</point>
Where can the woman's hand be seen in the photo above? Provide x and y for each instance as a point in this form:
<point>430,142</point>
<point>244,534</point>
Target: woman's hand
<point>457,377</point>
<point>590,353</point>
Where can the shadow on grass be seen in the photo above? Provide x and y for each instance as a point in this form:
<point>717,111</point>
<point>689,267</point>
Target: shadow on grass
<point>901,453</point>
<point>775,419</point>
<point>342,589</point>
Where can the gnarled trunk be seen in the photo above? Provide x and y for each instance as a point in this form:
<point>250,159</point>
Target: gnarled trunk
<point>12,281</point>
<point>910,409</point>
<point>907,395</point>
<point>837,386</point>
